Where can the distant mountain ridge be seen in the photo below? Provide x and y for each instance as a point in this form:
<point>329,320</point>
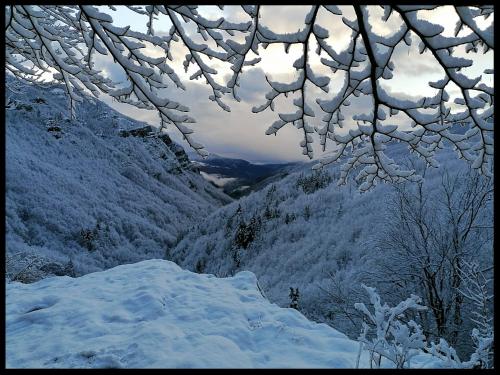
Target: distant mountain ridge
<point>239,177</point>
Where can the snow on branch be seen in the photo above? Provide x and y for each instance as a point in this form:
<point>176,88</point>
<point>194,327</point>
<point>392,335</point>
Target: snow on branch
<point>64,41</point>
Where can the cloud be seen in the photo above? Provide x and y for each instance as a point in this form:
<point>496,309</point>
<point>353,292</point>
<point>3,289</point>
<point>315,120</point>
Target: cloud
<point>253,85</point>
<point>241,133</point>
<point>410,62</point>
<point>282,19</point>
<point>110,70</point>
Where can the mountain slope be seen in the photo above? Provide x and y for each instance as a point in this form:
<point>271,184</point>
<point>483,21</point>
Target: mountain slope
<point>303,232</point>
<point>88,194</point>
<point>153,314</point>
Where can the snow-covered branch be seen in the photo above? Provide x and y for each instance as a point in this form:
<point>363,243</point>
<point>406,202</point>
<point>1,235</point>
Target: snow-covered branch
<point>63,41</point>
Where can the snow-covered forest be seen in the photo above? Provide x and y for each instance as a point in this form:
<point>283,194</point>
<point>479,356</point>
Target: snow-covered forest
<point>124,249</point>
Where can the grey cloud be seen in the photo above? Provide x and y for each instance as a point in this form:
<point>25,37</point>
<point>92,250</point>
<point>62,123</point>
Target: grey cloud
<point>253,85</point>
<point>240,132</point>
<point>284,18</point>
<point>412,65</point>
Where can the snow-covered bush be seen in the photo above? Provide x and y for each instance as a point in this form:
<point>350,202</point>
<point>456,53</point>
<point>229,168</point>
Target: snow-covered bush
<point>394,339</point>
<point>23,267</point>
<point>476,287</point>
<point>483,345</point>
<point>327,73</point>
<point>271,213</point>
<point>481,358</point>
<point>398,339</point>
<point>27,267</point>
<point>446,353</point>
<point>89,238</point>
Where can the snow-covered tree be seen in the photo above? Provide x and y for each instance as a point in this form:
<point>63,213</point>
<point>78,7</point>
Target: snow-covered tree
<point>294,298</point>
<point>431,231</point>
<point>446,353</point>
<point>65,40</point>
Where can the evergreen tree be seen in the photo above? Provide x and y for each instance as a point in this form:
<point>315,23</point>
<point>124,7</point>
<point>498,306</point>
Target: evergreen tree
<point>294,298</point>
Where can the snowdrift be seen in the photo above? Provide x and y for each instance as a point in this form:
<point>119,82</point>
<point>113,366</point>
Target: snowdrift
<point>154,314</point>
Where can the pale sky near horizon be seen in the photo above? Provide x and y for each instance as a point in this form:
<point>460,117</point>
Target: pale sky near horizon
<point>241,133</point>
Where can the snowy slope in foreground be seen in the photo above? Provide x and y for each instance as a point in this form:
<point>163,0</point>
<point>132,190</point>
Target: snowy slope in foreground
<point>154,314</point>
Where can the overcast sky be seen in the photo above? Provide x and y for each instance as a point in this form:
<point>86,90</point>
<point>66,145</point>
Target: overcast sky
<point>241,133</point>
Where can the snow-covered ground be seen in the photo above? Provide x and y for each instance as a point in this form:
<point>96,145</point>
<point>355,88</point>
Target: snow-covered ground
<point>154,314</point>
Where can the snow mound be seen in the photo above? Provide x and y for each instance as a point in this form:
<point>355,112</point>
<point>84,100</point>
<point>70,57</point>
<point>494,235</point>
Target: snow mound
<point>155,314</point>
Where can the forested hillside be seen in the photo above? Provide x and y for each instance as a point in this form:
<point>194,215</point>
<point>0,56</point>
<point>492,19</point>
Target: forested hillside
<point>87,194</point>
<point>306,232</point>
